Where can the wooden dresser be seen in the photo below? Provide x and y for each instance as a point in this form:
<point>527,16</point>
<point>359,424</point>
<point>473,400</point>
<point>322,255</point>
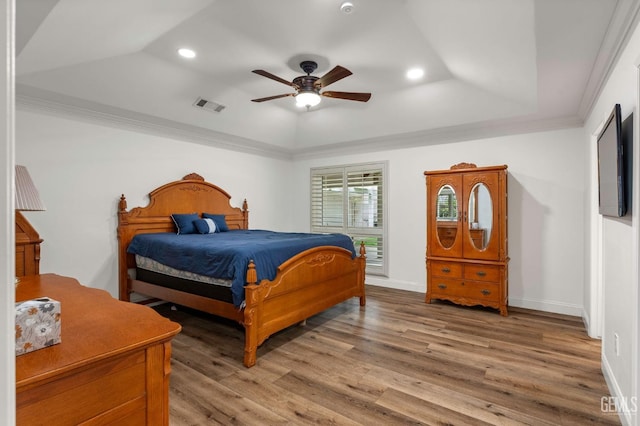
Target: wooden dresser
<point>27,247</point>
<point>467,256</point>
<point>112,366</point>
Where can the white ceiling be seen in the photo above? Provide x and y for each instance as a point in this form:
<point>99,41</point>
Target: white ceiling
<point>492,66</point>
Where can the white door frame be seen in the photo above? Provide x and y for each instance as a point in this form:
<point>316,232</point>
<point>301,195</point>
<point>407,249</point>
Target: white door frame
<point>8,230</point>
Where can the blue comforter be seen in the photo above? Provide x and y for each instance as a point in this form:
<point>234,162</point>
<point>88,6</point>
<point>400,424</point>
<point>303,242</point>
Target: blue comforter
<point>227,254</point>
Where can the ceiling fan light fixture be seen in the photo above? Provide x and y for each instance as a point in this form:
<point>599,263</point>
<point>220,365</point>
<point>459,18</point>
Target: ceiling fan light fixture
<point>307,99</point>
<point>308,86</point>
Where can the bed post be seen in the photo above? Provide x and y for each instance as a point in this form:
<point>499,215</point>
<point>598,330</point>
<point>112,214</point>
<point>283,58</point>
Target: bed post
<point>251,315</point>
<point>245,214</point>
<point>123,282</point>
<point>362,263</point>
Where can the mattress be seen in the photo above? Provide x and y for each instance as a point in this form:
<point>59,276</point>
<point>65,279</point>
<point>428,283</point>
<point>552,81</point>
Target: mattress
<point>154,266</point>
<point>154,272</point>
<point>227,255</point>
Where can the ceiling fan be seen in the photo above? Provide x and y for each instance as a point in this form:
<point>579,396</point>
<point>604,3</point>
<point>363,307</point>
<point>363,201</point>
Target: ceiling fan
<point>308,86</point>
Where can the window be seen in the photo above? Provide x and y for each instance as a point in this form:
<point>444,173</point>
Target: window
<point>352,200</point>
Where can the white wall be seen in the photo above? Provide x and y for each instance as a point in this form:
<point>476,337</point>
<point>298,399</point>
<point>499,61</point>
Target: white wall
<point>546,191</point>
<point>615,242</point>
<point>81,169</point>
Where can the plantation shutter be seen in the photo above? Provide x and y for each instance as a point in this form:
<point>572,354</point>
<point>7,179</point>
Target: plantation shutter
<point>351,200</point>
<point>327,201</point>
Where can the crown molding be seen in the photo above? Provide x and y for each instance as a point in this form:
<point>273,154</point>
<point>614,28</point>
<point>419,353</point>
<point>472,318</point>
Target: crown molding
<point>622,26</point>
<point>37,100</point>
<point>473,131</point>
<point>43,101</point>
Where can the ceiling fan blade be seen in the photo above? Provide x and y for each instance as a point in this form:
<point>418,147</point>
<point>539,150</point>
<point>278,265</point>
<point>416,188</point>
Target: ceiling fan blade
<point>274,77</point>
<point>337,73</point>
<point>269,98</point>
<point>350,96</point>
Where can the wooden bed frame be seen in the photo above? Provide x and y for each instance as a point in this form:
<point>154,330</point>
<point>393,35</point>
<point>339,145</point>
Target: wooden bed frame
<point>305,285</point>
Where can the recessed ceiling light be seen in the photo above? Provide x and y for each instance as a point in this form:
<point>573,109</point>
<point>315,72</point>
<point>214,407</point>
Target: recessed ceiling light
<point>186,53</point>
<point>415,73</point>
<point>346,7</point>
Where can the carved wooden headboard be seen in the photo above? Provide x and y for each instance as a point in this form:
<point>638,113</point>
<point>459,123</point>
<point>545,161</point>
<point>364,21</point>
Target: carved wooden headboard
<point>191,194</point>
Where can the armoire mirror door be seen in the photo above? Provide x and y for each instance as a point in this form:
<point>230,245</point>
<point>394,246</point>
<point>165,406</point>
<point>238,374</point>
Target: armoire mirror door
<point>447,216</point>
<point>479,217</point>
<point>445,225</point>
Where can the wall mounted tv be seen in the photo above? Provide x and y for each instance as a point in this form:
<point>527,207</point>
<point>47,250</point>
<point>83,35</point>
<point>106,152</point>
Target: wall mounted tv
<point>615,144</point>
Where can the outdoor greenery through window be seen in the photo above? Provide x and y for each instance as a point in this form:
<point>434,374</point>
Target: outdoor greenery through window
<point>351,200</point>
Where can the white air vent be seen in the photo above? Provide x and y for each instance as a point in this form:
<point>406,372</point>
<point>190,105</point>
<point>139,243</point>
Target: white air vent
<point>208,105</point>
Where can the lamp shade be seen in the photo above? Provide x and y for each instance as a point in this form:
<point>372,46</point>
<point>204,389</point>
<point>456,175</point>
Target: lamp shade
<point>27,196</point>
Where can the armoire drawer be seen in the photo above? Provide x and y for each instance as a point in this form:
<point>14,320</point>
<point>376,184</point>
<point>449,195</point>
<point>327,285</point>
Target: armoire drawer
<point>446,269</point>
<point>482,273</point>
<point>467,289</point>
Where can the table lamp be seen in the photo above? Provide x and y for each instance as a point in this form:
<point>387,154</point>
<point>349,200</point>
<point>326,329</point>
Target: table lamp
<point>27,196</point>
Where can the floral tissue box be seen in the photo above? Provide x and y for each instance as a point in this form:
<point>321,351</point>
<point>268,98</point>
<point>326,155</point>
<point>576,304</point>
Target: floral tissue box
<point>37,324</point>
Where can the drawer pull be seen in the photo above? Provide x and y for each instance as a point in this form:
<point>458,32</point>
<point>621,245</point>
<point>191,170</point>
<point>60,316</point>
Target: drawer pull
<point>481,273</point>
<point>442,286</point>
<point>446,270</point>
<point>485,292</point>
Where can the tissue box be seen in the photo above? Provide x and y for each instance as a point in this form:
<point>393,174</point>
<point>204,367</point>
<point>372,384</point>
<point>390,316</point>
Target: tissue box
<point>37,324</point>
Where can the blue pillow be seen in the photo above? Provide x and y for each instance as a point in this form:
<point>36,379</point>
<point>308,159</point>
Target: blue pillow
<point>184,222</point>
<point>205,226</point>
<point>220,221</point>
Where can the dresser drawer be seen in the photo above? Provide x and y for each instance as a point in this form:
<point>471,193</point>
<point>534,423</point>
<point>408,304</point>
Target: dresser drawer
<point>114,386</point>
<point>446,269</point>
<point>20,261</point>
<point>482,273</point>
<point>477,236</point>
<point>466,289</point>
<point>447,235</point>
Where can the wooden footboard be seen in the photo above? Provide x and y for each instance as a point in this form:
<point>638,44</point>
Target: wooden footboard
<point>305,285</point>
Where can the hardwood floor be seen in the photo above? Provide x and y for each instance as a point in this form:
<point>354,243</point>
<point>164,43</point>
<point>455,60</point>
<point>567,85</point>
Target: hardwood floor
<point>395,361</point>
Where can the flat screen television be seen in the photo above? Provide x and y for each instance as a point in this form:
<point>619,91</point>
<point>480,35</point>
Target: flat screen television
<point>611,167</point>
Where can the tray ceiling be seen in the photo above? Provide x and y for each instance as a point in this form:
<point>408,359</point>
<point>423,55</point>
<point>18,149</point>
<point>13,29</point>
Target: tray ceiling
<point>491,67</point>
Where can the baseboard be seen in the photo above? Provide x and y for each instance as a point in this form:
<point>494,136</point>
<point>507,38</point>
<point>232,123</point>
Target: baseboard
<point>625,416</point>
<point>548,306</point>
<point>539,305</point>
<point>398,285</point>
<point>587,325</point>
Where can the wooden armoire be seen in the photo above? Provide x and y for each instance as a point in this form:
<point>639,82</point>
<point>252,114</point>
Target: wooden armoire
<point>467,257</point>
